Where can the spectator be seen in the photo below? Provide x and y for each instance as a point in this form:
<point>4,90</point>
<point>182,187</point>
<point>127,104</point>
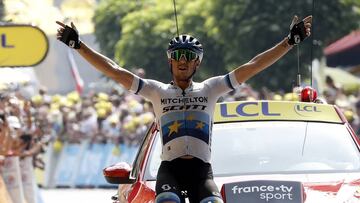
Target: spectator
<point>356,123</point>
<point>331,91</point>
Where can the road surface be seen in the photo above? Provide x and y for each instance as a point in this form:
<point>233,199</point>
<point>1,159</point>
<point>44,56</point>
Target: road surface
<point>77,195</point>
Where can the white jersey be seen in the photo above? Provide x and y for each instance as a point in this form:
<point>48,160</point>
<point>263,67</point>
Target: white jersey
<point>185,116</point>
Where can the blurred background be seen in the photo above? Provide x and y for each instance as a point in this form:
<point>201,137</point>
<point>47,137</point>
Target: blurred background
<point>62,121</point>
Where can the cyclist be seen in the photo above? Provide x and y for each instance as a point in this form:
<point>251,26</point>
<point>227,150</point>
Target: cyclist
<point>184,108</point>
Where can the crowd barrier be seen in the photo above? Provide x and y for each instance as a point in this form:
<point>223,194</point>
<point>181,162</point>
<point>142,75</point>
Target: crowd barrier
<point>81,165</point>
<point>74,166</point>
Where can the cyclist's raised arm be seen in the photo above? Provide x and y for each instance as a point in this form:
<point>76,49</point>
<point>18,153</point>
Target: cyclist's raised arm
<point>298,32</point>
<point>69,36</point>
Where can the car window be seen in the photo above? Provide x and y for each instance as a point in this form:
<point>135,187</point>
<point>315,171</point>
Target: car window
<point>142,152</point>
<point>154,159</point>
<point>269,147</point>
<point>276,146</point>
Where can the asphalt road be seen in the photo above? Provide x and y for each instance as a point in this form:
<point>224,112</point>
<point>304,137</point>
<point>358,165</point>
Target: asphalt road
<point>77,195</point>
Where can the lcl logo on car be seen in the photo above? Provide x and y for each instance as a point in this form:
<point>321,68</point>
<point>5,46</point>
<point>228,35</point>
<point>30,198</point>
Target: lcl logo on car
<point>304,110</point>
<point>263,109</point>
<point>264,191</point>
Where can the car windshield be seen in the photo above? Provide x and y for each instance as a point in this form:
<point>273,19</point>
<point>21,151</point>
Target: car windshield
<point>265,147</point>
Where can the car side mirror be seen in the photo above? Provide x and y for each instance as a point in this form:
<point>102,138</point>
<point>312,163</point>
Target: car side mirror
<point>118,173</point>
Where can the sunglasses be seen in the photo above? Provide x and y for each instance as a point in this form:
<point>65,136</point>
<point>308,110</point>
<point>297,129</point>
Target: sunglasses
<point>188,54</point>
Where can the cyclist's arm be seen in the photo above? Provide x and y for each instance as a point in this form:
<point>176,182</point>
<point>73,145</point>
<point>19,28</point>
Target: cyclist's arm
<point>106,66</point>
<point>261,61</point>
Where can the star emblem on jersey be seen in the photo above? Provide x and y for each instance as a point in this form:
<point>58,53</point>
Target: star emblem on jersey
<point>174,127</point>
<point>200,125</point>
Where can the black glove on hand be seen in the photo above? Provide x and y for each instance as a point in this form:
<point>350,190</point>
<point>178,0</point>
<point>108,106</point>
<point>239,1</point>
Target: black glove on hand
<point>297,32</point>
<point>70,37</point>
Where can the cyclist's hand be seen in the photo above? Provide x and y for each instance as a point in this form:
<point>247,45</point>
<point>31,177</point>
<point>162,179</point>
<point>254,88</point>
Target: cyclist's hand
<point>68,35</point>
<point>299,30</point>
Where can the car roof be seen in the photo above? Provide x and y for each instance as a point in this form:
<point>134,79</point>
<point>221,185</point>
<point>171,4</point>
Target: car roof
<point>275,111</point>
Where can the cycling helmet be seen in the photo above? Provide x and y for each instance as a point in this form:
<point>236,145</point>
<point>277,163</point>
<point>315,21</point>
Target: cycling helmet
<point>185,42</point>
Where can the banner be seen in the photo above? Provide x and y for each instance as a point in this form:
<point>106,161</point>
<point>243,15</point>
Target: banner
<point>69,164</point>
<point>91,165</point>
<point>98,156</point>
<point>113,156</point>
<point>264,191</point>
<point>275,110</point>
<point>22,45</point>
<point>81,165</point>
<point>51,158</point>
<point>127,153</point>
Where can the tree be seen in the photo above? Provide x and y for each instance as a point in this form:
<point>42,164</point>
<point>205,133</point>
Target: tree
<point>196,19</point>
<point>108,25</point>
<point>145,35</point>
<point>2,10</point>
<point>252,26</point>
<point>231,31</point>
